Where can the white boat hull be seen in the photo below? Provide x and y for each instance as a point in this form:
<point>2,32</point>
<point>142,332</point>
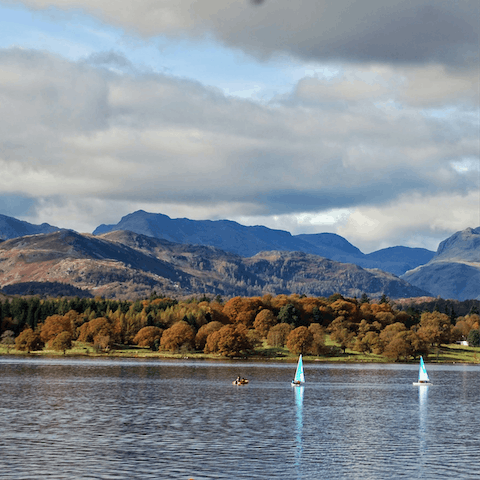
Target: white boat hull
<point>422,384</point>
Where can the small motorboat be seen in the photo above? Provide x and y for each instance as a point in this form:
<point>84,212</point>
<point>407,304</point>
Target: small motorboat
<point>240,381</point>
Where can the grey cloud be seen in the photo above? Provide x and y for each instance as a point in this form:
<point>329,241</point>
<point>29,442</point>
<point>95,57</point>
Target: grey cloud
<point>397,31</point>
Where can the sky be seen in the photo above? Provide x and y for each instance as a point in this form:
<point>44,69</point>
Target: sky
<point>356,118</point>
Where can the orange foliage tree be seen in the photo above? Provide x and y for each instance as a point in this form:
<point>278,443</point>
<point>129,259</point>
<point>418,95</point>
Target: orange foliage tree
<point>148,337</point>
<point>62,342</point>
<point>230,341</point>
<point>300,340</point>
<point>97,327</point>
<point>54,325</point>
<point>28,341</point>
<point>435,328</point>
<point>318,344</point>
<point>264,321</point>
<point>204,332</point>
<point>242,310</point>
<point>342,331</point>
<point>180,336</point>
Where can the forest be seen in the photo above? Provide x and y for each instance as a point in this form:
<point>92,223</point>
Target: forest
<point>238,327</point>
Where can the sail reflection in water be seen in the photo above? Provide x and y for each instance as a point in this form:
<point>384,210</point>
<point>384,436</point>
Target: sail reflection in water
<point>422,424</point>
<point>299,434</point>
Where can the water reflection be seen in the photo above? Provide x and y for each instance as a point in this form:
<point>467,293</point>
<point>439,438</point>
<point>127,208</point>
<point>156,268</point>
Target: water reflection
<point>299,432</point>
<point>422,424</point>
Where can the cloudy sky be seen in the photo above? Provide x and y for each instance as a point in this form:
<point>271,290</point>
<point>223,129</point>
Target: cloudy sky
<point>359,118</point>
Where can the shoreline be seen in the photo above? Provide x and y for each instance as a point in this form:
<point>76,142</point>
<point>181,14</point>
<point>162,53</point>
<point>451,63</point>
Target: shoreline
<point>448,355</point>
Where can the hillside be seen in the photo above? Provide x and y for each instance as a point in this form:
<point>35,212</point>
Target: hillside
<point>123,264</point>
<point>454,271</point>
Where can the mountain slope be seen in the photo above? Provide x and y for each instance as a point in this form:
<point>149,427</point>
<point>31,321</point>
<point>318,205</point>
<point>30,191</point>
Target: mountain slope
<point>124,264</point>
<point>12,228</point>
<point>454,271</point>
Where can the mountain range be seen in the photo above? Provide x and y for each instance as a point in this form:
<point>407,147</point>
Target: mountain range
<point>147,251</point>
<point>248,241</point>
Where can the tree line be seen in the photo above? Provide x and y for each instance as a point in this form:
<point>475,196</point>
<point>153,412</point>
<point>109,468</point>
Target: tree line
<point>236,327</point>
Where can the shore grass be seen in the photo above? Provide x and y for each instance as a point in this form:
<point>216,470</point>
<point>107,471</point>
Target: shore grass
<point>451,354</point>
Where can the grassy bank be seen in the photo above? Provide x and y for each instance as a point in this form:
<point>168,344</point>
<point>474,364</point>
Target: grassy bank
<point>452,353</point>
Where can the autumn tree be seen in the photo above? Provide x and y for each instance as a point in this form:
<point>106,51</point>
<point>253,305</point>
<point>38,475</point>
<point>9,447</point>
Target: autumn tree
<point>277,336</point>
<point>97,327</point>
<point>341,331</point>
<point>54,325</point>
<point>264,321</point>
<point>318,343</point>
<point>384,318</point>
<point>398,346</point>
<point>62,342</point>
<point>362,341</point>
<point>148,337</point>
<point>242,310</point>
<point>391,331</point>
<point>28,341</point>
<point>435,328</point>
<point>179,336</point>
<point>300,340</point>
<point>229,341</point>
<point>348,309</point>
<point>204,332</point>
<point>371,343</point>
<point>464,325</point>
<point>102,343</point>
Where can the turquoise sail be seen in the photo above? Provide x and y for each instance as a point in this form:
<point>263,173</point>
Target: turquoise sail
<point>422,372</point>
<point>299,374</point>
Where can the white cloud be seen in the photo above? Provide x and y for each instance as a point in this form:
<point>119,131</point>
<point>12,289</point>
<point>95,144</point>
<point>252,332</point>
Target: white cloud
<point>414,220</point>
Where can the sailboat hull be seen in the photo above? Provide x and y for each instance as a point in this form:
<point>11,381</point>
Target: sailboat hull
<point>422,384</point>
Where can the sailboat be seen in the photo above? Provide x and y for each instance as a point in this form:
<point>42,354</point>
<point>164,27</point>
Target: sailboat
<point>299,375</point>
<point>422,375</point>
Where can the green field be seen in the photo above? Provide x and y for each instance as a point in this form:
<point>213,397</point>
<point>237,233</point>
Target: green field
<point>452,353</point>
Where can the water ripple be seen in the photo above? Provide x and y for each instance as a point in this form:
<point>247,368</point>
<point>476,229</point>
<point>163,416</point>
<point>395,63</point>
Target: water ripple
<point>166,420</point>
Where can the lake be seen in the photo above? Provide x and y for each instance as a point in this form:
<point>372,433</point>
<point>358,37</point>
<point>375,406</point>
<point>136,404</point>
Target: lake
<point>145,419</point>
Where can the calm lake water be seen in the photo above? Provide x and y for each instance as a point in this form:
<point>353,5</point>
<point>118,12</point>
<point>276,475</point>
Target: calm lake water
<point>136,419</point>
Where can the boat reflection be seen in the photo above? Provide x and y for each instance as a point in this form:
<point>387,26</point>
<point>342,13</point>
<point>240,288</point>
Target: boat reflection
<point>422,423</point>
<point>299,430</point>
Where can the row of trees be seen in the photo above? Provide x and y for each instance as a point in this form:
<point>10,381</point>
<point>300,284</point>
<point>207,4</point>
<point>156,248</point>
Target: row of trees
<point>233,328</point>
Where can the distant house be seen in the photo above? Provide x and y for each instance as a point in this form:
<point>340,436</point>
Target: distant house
<point>462,342</point>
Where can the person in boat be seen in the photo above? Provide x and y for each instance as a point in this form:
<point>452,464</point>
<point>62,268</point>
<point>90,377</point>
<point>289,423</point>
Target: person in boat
<point>296,382</point>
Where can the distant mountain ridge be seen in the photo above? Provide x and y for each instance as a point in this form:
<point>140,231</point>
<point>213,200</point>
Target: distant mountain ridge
<point>248,241</point>
<point>10,227</point>
<point>124,264</point>
<point>454,271</point>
